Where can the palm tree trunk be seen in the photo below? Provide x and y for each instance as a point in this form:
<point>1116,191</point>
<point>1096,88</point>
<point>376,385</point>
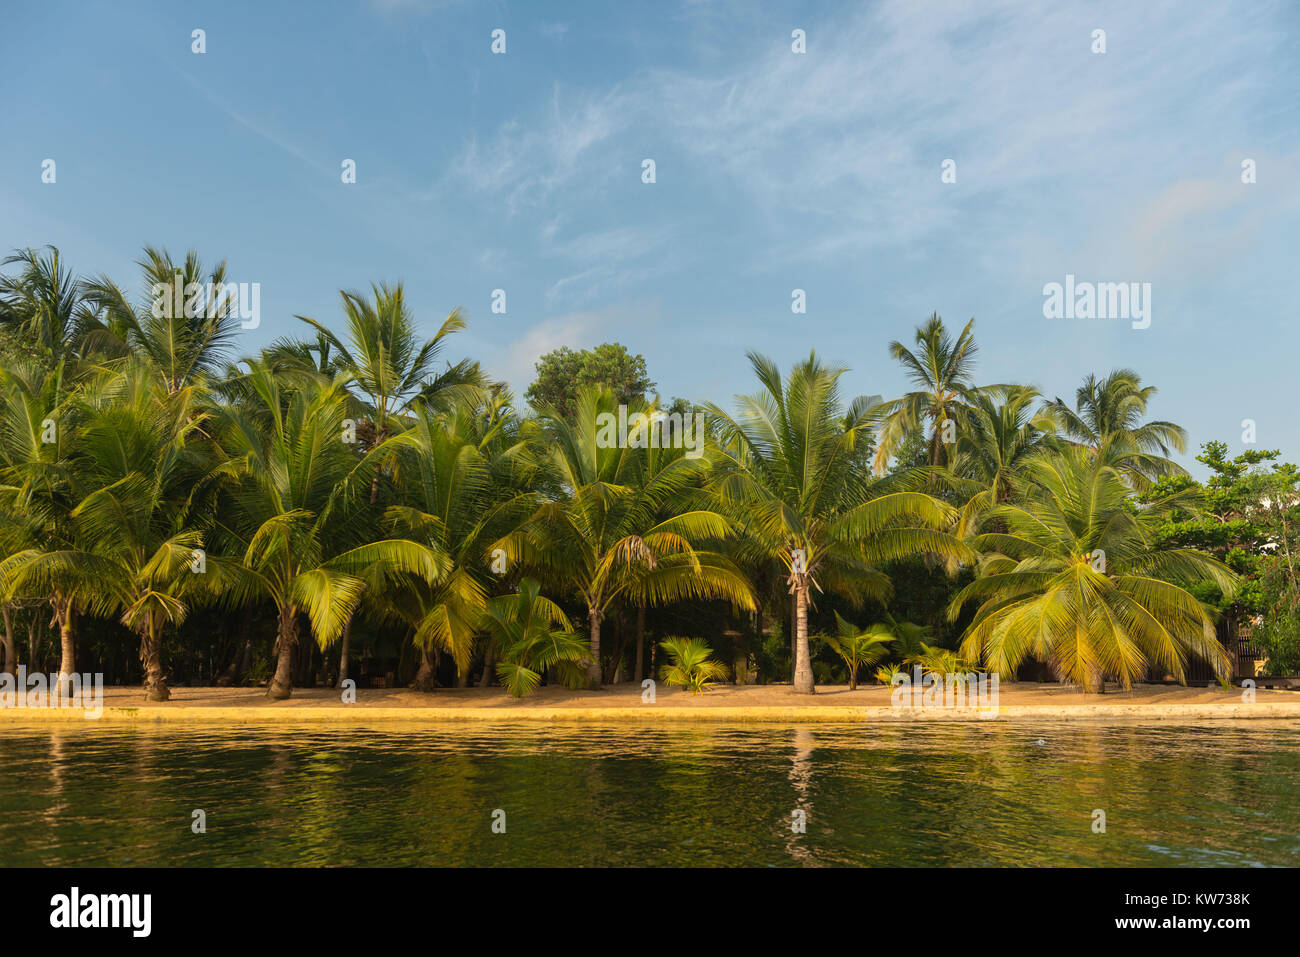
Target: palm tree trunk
<point>35,638</point>
<point>65,612</point>
<point>155,685</point>
<point>346,650</point>
<point>426,677</point>
<point>794,637</point>
<point>10,664</point>
<point>593,666</point>
<point>489,668</point>
<point>803,676</point>
<point>281,686</point>
<point>639,671</point>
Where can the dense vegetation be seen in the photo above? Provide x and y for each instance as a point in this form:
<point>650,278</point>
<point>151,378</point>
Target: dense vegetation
<point>352,503</point>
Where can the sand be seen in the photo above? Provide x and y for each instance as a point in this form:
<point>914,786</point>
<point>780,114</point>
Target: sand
<point>622,704</point>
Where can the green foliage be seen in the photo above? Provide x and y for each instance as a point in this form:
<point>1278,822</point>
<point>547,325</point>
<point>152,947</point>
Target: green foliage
<point>858,648</point>
<point>939,661</point>
<point>692,666</point>
<point>533,635</point>
<point>885,673</point>
<point>1079,580</point>
<point>563,373</point>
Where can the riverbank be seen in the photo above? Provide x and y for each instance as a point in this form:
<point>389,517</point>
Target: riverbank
<point>623,704</point>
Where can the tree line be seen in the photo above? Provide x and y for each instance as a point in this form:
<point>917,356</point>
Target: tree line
<point>351,494</point>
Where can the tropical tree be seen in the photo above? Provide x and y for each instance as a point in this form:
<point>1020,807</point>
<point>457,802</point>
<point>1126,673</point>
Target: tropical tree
<point>138,480</point>
<point>1107,420</point>
<point>938,661</point>
<point>941,368</point>
<point>293,475</point>
<point>1001,433</point>
<point>1078,579</point>
<point>388,362</point>
<point>690,665</point>
<point>463,485</point>
<point>789,473</point>
<point>185,323</point>
<point>44,305</point>
<point>37,492</point>
<point>533,636</point>
<point>603,534</point>
<point>857,647</point>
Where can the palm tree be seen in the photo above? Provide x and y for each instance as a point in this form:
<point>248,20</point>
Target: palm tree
<point>44,305</point>
<point>1002,433</point>
<point>183,333</point>
<point>858,648</point>
<point>691,665</point>
<point>463,478</point>
<point>138,480</point>
<point>1107,419</point>
<point>941,368</point>
<point>1079,580</point>
<point>604,534</point>
<point>388,362</point>
<point>293,478</point>
<point>790,472</point>
<point>534,636</point>
<point>37,493</point>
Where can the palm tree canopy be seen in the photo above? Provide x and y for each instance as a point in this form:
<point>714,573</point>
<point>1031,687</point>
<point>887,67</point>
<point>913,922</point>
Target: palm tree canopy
<point>1078,580</point>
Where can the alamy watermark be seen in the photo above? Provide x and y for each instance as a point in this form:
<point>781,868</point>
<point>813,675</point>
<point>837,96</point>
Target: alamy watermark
<point>651,430</point>
<point>1101,300</point>
<point>85,691</point>
<point>211,300</point>
<point>953,690</point>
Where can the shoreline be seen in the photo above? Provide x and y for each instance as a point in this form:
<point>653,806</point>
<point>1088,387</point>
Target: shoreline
<point>622,705</point>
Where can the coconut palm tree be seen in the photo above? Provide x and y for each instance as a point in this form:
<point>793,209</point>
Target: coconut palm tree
<point>388,362</point>
<point>294,479</point>
<point>691,665</point>
<point>37,491</point>
<point>138,480</point>
<point>1078,579</point>
<point>533,636</point>
<point>1107,419</point>
<point>463,477</point>
<point>1002,432</point>
<point>604,535</point>
<point>857,647</point>
<point>44,305</point>
<point>790,472</point>
<point>185,322</point>
<point>941,368</point>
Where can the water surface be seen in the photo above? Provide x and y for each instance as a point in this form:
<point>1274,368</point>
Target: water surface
<point>987,793</point>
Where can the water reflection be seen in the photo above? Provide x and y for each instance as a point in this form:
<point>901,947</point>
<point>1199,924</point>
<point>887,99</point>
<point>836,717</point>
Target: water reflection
<point>922,795</point>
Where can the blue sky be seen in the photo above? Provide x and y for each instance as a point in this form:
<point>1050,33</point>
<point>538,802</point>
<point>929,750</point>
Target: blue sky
<point>775,171</point>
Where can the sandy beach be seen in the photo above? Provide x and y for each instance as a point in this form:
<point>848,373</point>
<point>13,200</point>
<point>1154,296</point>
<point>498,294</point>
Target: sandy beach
<point>623,704</point>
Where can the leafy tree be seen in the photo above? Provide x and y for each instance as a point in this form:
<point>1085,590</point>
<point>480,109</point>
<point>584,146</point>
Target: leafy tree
<point>563,373</point>
<point>1248,518</point>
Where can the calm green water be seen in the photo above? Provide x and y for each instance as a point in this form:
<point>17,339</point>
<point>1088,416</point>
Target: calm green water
<point>917,795</point>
